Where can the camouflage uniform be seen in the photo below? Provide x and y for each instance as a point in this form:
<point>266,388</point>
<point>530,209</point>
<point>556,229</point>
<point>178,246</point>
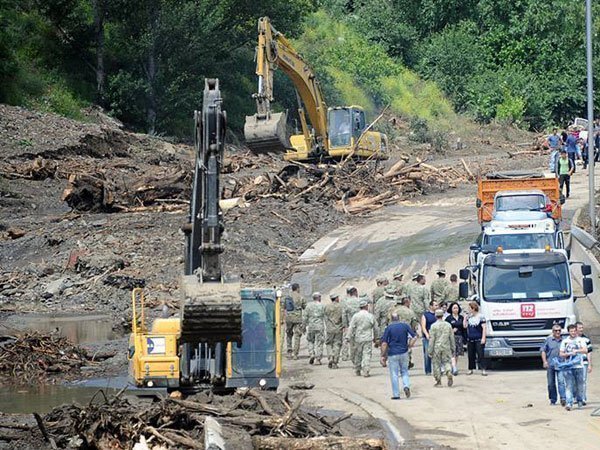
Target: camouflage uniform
<point>350,307</point>
<point>405,314</point>
<point>377,294</point>
<point>382,307</point>
<point>439,290</point>
<point>293,324</point>
<point>420,298</point>
<point>314,323</point>
<point>441,349</point>
<point>335,336</point>
<point>360,332</point>
<point>451,293</point>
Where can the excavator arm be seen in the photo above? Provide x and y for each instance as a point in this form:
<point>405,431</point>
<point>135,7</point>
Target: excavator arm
<point>265,131</point>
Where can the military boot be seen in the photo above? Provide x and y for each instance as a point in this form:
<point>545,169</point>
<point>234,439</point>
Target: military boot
<point>450,380</point>
<point>311,360</point>
<point>330,364</point>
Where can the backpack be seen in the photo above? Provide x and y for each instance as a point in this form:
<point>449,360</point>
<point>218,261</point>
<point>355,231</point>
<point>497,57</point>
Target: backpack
<point>289,304</point>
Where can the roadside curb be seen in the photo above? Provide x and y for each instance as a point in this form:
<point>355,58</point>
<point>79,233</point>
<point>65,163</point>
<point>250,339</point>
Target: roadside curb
<point>375,410</point>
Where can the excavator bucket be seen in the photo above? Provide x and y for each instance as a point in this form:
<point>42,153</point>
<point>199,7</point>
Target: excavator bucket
<point>267,134</point>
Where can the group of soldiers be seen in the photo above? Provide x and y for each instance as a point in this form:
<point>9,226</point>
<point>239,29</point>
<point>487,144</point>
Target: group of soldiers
<point>350,326</point>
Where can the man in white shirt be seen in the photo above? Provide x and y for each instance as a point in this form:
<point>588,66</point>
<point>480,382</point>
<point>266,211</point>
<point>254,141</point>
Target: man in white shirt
<point>572,348</point>
<point>587,361</point>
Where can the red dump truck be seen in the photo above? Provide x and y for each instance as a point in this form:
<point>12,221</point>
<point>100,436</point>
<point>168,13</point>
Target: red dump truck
<point>518,191</point>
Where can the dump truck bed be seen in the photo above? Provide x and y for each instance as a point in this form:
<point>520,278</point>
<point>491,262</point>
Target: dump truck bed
<point>491,184</point>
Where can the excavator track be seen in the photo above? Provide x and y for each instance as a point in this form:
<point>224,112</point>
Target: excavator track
<point>210,312</point>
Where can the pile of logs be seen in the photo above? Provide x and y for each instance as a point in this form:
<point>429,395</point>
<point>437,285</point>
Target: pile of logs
<point>248,419</point>
<point>32,356</point>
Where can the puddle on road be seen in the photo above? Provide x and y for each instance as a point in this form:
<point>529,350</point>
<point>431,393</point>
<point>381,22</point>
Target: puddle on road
<point>42,398</point>
<point>80,329</point>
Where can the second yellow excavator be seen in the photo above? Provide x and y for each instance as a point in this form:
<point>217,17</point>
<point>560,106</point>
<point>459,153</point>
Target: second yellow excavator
<point>336,132</point>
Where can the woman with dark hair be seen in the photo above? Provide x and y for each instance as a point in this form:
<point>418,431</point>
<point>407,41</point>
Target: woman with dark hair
<point>476,336</point>
<point>456,319</point>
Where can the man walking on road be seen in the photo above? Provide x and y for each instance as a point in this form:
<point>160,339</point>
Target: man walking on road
<point>441,348</point>
<point>587,361</point>
<point>439,287</point>
<point>349,308</point>
<point>294,305</point>
<point>382,308</point>
<point>419,295</point>
<point>564,169</point>
<point>572,348</point>
<point>314,324</point>
<point>360,333</point>
<point>554,143</point>
<point>335,335</point>
<point>397,339</point>
<point>550,351</point>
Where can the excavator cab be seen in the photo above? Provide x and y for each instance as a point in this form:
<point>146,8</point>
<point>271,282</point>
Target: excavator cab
<point>346,124</point>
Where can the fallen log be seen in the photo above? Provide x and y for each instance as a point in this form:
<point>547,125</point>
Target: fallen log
<point>467,169</point>
<point>393,171</point>
<point>317,443</point>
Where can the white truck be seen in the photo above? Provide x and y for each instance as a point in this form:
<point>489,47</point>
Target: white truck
<point>522,293</point>
<point>517,230</point>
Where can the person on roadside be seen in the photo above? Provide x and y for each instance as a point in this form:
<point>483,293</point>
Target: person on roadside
<point>294,306</point>
<point>427,319</point>
<point>313,321</point>
<point>572,348</point>
<point>571,148</point>
<point>441,348</point>
<point>360,332</point>
<point>554,143</point>
<point>398,338</point>
<point>334,329</point>
<point>456,321</point>
<point>587,361</point>
<point>550,352</point>
<point>475,325</point>
<point>440,286</point>
<point>565,167</point>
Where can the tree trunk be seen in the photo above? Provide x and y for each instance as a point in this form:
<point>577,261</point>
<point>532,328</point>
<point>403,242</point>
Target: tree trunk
<point>99,7</point>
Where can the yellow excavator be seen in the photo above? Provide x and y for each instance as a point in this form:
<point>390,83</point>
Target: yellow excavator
<point>336,132</point>
<point>225,336</point>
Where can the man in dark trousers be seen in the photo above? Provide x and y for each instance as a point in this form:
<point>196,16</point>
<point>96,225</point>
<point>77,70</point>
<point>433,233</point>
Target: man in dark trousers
<point>565,167</point>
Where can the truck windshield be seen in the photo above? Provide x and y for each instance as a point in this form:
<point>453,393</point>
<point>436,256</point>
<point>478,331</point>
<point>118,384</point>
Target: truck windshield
<point>520,241</point>
<point>340,127</point>
<point>533,202</point>
<point>526,283</point>
<point>256,355</point>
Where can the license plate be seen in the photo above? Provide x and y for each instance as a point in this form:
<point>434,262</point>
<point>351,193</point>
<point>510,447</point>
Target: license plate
<point>501,352</point>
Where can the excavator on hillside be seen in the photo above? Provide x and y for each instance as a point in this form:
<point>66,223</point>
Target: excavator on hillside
<point>336,132</point>
<point>225,336</point>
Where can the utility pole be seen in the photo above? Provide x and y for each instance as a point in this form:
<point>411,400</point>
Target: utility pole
<point>590,114</point>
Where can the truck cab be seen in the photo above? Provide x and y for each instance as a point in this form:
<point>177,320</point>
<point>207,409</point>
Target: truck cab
<point>514,231</point>
<point>522,294</point>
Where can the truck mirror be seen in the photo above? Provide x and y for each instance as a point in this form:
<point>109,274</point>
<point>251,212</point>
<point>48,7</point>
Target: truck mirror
<point>463,290</point>
<point>586,270</point>
<point>478,203</point>
<point>474,247</point>
<point>588,286</point>
<point>464,274</point>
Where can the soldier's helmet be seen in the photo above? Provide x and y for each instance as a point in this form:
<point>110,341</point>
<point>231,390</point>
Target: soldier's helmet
<point>389,291</point>
<point>363,302</point>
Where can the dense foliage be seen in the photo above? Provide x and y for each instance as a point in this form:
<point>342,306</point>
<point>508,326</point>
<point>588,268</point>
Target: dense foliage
<point>145,61</point>
<point>516,60</point>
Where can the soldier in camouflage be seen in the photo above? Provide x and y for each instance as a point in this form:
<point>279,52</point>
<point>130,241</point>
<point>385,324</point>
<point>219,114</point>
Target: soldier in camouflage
<point>294,305</point>
<point>397,282</point>
<point>382,307</point>
<point>439,287</point>
<point>441,348</point>
<point>360,333</point>
<point>379,290</point>
<point>404,313</point>
<point>349,308</point>
<point>314,323</point>
<point>334,327</point>
<point>420,295</point>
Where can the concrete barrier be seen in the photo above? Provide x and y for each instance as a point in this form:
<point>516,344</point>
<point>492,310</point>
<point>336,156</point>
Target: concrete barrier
<point>580,253</point>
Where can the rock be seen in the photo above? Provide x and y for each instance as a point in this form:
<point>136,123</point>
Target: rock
<point>56,287</point>
<point>97,264</point>
<point>15,233</point>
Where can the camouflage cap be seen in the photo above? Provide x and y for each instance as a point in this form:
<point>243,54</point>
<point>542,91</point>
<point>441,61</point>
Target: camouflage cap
<point>439,313</point>
<point>389,291</point>
<point>333,296</point>
<point>316,295</point>
<point>398,274</point>
<point>381,280</point>
<point>441,272</point>
<point>349,289</point>
<point>363,302</point>
<point>416,275</point>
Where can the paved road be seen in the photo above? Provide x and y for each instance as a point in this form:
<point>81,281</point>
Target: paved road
<point>507,409</point>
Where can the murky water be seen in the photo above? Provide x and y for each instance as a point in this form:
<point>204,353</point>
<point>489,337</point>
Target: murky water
<point>42,398</point>
<point>80,329</point>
